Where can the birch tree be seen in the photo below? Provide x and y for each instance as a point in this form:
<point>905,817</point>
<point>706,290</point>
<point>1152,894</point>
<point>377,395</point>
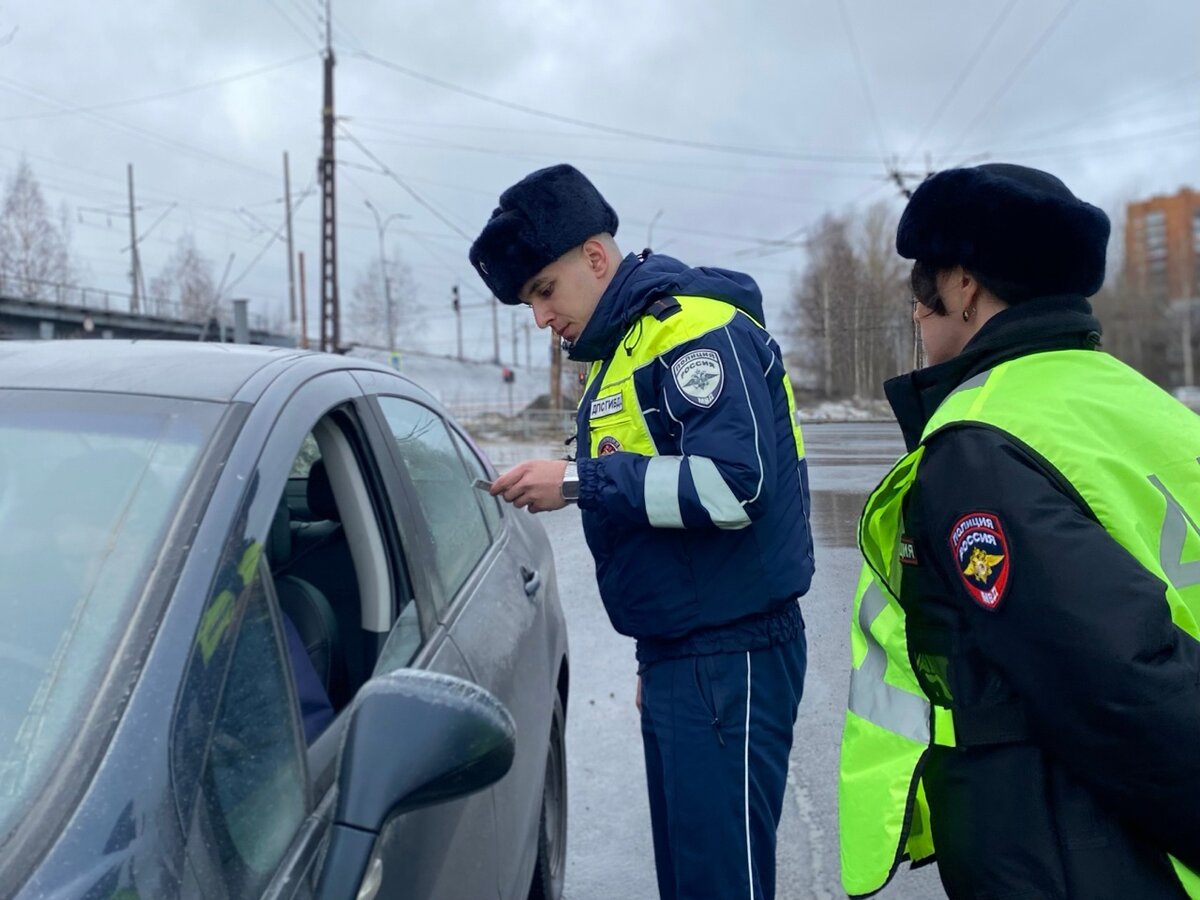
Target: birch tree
<point>35,255</point>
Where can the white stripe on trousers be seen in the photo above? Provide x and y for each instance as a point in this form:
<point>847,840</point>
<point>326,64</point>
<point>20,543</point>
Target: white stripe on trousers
<point>746,782</point>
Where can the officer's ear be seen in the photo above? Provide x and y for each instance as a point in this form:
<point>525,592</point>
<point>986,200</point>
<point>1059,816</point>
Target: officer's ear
<point>598,257</point>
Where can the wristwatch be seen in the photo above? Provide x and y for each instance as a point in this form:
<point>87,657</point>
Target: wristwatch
<point>570,483</point>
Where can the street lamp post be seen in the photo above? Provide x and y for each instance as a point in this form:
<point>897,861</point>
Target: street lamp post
<point>381,226</point>
<point>650,229</point>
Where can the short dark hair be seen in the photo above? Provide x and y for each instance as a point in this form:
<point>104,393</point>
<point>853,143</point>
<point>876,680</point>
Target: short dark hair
<point>923,282</point>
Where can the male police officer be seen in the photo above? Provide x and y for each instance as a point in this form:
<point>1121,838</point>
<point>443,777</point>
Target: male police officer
<point>693,488</point>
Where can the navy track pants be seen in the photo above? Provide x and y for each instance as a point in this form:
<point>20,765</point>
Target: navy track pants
<point>717,732</point>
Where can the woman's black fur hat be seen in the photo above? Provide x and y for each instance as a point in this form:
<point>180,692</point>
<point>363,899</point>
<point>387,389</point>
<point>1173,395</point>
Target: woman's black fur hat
<point>539,219</point>
<point>1017,226</point>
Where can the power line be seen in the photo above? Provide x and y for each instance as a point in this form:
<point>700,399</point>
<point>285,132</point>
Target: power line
<point>400,181</point>
<point>307,38</point>
<point>862,77</point>
<point>149,98</point>
<point>274,237</point>
<point>1187,121</point>
<point>781,247</point>
<point>987,107</point>
<point>17,87</point>
<point>1125,103</point>
<point>537,158</point>
<point>1117,143</point>
<point>957,83</point>
<point>610,129</point>
<point>389,127</point>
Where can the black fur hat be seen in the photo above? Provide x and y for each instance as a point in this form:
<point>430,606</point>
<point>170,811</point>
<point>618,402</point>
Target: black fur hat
<point>1018,226</point>
<point>539,219</point>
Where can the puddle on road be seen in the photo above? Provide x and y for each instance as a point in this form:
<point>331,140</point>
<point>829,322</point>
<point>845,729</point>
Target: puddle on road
<point>835,517</point>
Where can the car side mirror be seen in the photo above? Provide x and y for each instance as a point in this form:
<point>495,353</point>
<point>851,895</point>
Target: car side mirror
<point>414,739</point>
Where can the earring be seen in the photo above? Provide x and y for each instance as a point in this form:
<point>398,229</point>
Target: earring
<point>968,313</point>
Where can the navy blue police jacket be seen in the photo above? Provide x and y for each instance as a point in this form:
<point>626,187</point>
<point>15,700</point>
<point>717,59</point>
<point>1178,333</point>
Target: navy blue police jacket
<point>716,581</point>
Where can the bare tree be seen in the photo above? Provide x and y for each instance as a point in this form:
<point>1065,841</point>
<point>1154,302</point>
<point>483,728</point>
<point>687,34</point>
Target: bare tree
<point>369,320</point>
<point>884,333</point>
<point>849,319</point>
<point>186,280</point>
<point>1137,327</point>
<point>35,257</point>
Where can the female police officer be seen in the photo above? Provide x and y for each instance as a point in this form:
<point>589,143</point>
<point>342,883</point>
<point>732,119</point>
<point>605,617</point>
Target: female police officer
<point>1024,701</point>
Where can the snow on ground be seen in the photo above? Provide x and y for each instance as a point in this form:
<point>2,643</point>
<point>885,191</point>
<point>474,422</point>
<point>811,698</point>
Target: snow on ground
<point>853,410</point>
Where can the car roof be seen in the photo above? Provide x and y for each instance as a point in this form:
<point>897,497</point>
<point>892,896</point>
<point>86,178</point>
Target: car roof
<point>184,369</point>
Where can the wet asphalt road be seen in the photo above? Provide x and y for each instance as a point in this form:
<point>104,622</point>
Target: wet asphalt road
<point>609,847</point>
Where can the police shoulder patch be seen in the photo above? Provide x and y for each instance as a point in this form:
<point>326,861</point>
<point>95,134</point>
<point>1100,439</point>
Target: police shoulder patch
<point>699,376</point>
<point>607,445</point>
<point>980,551</point>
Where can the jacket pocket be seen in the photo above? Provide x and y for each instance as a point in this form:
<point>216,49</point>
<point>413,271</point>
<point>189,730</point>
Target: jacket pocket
<point>710,671</point>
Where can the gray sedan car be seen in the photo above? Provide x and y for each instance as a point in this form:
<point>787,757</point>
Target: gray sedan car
<point>264,638</point>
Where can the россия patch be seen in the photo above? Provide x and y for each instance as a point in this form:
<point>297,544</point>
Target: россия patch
<point>980,551</point>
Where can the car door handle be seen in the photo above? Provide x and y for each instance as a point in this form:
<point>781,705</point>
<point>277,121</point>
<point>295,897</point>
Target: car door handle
<point>533,580</point>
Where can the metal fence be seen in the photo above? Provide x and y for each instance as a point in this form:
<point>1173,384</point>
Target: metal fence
<point>76,296</point>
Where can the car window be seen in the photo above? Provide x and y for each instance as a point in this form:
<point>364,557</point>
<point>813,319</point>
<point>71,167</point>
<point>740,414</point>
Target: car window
<point>309,453</point>
<point>88,487</point>
<point>254,783</point>
<point>458,531</point>
<point>476,469</point>
<point>402,644</point>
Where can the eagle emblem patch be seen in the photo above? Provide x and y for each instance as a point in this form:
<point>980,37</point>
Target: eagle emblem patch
<point>699,376</point>
<point>981,554</point>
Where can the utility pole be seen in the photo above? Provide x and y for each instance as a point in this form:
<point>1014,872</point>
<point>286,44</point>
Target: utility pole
<point>650,230</point>
<point>495,331</point>
<point>136,270</point>
<point>901,181</point>
<point>555,371</point>
<point>330,313</point>
<point>454,301</point>
<point>303,308</point>
<point>291,253</point>
<point>381,226</point>
<point>514,338</point>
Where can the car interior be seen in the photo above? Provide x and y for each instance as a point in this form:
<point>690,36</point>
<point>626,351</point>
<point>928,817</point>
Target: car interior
<point>330,567</point>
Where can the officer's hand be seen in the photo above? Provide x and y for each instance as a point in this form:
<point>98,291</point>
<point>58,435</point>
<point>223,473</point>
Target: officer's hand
<point>535,484</point>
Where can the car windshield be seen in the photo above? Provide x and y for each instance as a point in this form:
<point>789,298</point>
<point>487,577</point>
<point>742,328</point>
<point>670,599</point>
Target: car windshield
<point>88,485</point>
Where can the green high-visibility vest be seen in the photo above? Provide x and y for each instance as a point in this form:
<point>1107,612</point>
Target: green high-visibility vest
<point>1132,453</point>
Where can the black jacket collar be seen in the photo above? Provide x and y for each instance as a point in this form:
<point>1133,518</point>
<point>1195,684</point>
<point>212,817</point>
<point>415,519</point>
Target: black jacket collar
<point>1035,326</point>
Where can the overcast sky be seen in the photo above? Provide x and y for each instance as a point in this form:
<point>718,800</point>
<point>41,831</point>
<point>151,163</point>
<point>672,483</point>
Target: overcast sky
<point>781,110</point>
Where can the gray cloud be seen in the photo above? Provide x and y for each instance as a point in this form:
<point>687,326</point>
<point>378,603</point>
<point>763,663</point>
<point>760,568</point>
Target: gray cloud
<point>1108,102</point>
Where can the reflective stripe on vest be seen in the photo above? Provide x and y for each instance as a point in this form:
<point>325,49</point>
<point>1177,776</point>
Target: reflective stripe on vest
<point>1087,415</point>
